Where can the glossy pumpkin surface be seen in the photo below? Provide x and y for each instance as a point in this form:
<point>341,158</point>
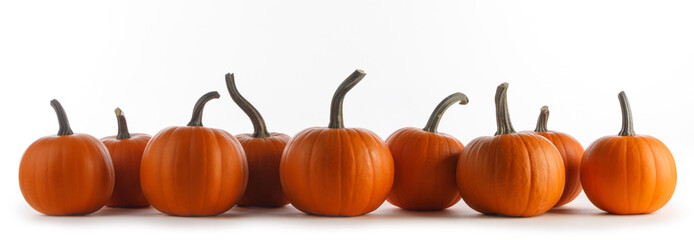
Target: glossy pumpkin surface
<point>67,173</point>
<point>511,174</point>
<point>425,163</point>
<point>193,170</point>
<point>628,173</point>
<point>337,171</point>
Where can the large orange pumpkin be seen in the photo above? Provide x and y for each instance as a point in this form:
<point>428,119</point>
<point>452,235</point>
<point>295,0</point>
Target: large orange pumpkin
<point>67,173</point>
<point>571,152</point>
<point>193,170</point>
<point>628,173</point>
<point>263,153</point>
<point>511,174</point>
<point>425,162</point>
<point>337,171</point>
<point>126,153</point>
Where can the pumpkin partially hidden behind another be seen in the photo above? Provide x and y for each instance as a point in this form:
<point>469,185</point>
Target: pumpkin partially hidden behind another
<point>126,151</point>
<point>67,173</point>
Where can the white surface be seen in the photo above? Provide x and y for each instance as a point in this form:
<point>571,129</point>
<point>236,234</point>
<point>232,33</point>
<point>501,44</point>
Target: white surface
<point>155,59</point>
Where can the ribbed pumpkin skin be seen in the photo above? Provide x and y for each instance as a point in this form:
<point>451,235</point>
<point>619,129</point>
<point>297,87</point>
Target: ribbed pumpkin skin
<point>66,175</point>
<point>193,171</point>
<point>571,152</point>
<point>628,174</point>
<point>520,175</point>
<point>263,155</point>
<point>425,166</point>
<point>126,155</point>
<point>336,172</point>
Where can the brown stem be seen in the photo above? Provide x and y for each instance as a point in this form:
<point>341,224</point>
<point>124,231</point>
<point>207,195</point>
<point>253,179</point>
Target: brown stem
<point>339,96</point>
<point>542,120</point>
<point>122,125</point>
<point>259,128</point>
<point>435,118</point>
<point>627,122</point>
<point>503,120</point>
<point>196,120</point>
<point>64,125</point>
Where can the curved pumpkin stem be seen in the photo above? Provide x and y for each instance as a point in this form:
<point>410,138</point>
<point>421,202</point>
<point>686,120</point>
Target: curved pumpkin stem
<point>627,122</point>
<point>503,120</point>
<point>435,118</point>
<point>542,120</point>
<point>259,128</point>
<point>63,123</point>
<point>122,125</point>
<point>196,120</point>
<point>339,96</point>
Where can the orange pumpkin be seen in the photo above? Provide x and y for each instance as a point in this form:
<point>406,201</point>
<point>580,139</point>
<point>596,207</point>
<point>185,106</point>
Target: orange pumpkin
<point>126,153</point>
<point>67,173</point>
<point>337,171</point>
<point>571,152</point>
<point>263,153</point>
<point>628,173</point>
<point>511,174</point>
<point>425,162</point>
<point>193,170</point>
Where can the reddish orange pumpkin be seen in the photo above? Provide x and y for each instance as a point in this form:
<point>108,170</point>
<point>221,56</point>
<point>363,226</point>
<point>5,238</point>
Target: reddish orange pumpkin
<point>126,151</point>
<point>628,173</point>
<point>571,152</point>
<point>263,153</point>
<point>193,170</point>
<point>66,174</point>
<point>337,171</point>
<point>425,162</point>
<point>511,174</point>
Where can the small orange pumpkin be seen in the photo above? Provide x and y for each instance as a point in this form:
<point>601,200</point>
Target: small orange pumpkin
<point>66,174</point>
<point>126,151</point>
<point>571,152</point>
<point>263,153</point>
<point>511,174</point>
<point>425,162</point>
<point>337,171</point>
<point>193,170</point>
<point>628,173</point>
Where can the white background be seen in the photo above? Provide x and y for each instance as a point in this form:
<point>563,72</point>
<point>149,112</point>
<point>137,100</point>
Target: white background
<point>154,59</point>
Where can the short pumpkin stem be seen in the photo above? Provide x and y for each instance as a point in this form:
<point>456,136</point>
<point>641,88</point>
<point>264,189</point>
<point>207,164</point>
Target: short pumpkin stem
<point>196,120</point>
<point>435,118</point>
<point>259,128</point>
<point>627,121</point>
<point>503,120</point>
<point>122,125</point>
<point>542,120</point>
<point>63,123</point>
<point>339,96</point>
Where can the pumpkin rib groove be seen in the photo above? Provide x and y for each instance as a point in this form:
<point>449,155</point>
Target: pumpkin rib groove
<point>655,174</point>
<point>311,161</point>
<point>373,174</point>
<point>529,197</point>
<point>339,177</point>
<point>626,173</point>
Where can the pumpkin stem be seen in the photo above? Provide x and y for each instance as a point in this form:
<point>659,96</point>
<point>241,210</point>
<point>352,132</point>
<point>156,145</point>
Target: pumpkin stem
<point>259,128</point>
<point>503,120</point>
<point>435,118</point>
<point>196,120</point>
<point>339,96</point>
<point>542,120</point>
<point>627,122</point>
<point>63,124</point>
<point>122,125</point>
